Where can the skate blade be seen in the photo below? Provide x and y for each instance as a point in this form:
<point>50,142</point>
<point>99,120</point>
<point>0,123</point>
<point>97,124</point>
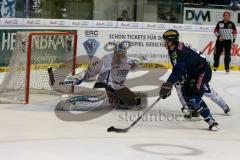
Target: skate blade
<point>215,128</point>
<point>227,114</point>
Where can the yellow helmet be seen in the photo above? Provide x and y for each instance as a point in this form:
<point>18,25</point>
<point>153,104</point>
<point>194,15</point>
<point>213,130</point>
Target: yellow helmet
<point>171,35</point>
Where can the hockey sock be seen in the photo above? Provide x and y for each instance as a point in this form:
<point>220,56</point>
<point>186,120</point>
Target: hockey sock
<point>198,104</point>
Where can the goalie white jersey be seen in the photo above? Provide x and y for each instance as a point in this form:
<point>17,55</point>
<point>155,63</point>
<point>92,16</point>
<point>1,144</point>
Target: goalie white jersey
<point>115,74</point>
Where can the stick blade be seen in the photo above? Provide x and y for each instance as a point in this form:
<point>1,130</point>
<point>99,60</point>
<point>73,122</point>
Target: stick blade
<point>51,76</point>
<point>117,130</point>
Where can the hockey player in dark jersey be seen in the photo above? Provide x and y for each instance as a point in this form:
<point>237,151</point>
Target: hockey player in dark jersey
<point>196,69</point>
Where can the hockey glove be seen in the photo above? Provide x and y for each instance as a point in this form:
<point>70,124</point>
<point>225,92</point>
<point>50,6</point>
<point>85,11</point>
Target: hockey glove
<point>73,81</point>
<point>137,62</point>
<point>165,90</point>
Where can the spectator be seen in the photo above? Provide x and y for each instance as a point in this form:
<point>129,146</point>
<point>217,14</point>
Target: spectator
<point>172,18</point>
<point>168,17</point>
<point>234,5</point>
<point>8,8</point>
<point>124,16</point>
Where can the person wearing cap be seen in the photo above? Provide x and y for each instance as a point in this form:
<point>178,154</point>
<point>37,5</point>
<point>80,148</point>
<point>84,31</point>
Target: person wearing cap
<point>190,65</point>
<point>124,16</point>
<point>226,34</point>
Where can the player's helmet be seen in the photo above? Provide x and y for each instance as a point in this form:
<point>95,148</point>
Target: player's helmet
<point>171,35</point>
<point>119,47</point>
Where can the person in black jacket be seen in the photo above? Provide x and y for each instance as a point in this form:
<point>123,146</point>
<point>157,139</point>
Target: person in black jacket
<point>190,65</point>
<point>226,33</point>
<point>124,16</point>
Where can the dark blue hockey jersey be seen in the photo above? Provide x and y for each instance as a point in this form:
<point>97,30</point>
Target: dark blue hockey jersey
<point>187,61</point>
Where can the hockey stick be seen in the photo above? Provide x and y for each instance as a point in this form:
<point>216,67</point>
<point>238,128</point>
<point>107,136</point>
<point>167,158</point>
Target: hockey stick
<point>69,82</point>
<point>118,130</point>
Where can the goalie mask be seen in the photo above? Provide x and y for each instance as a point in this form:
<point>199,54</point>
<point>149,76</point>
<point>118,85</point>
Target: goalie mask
<point>120,52</point>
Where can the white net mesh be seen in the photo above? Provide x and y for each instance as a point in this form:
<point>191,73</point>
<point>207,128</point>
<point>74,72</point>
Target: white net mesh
<point>48,49</point>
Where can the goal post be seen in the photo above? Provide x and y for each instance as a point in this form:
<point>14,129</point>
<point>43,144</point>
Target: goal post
<point>33,53</point>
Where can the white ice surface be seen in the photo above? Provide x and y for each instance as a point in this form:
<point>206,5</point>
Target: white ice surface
<point>33,132</point>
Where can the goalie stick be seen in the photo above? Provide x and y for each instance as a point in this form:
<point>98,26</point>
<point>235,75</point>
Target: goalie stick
<point>51,76</point>
<point>74,80</point>
<point>119,130</point>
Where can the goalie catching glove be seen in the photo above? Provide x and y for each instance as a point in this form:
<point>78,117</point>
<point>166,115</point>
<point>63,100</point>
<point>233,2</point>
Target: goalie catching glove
<point>165,90</point>
<point>74,80</point>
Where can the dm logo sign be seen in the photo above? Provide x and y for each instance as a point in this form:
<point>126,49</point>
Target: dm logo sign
<point>91,46</point>
<point>198,15</point>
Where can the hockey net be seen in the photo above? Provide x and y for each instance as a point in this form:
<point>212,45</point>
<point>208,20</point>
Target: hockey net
<point>34,52</point>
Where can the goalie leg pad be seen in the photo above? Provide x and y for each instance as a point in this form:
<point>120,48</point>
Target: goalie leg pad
<point>124,98</point>
<point>127,96</point>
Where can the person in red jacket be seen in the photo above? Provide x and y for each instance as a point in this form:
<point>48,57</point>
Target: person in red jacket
<point>226,33</point>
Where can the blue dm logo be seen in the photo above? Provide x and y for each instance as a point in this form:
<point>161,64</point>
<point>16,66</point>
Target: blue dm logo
<point>91,46</point>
